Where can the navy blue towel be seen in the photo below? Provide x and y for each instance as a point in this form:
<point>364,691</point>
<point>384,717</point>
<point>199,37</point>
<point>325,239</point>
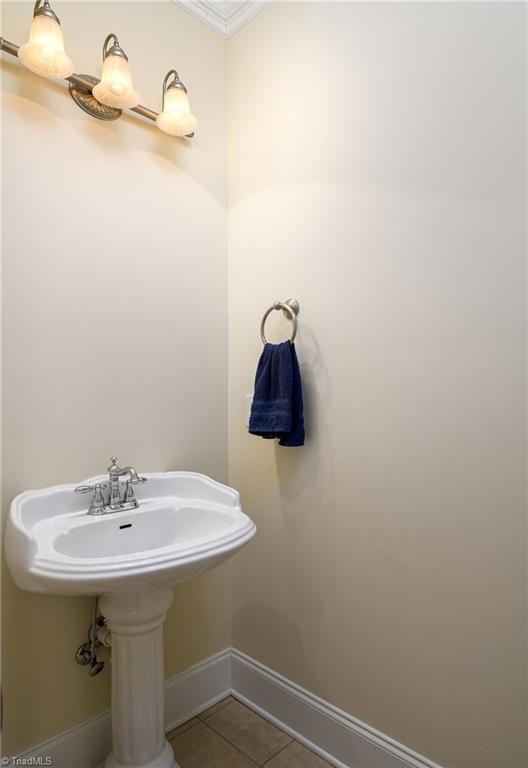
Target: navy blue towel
<point>277,409</point>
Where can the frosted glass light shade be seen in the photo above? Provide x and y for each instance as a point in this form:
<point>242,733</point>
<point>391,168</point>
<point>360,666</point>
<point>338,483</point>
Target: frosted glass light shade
<point>115,88</point>
<point>176,118</point>
<point>44,51</point>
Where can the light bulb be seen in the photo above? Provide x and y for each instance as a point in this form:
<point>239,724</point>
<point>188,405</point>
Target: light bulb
<point>176,118</point>
<point>44,52</point>
<point>115,88</point>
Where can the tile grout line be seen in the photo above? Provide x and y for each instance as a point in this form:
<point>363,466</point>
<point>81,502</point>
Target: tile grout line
<point>221,735</point>
<point>291,741</point>
<point>184,731</point>
<point>258,714</point>
<point>270,757</point>
<point>281,749</point>
<point>203,718</point>
<point>216,708</point>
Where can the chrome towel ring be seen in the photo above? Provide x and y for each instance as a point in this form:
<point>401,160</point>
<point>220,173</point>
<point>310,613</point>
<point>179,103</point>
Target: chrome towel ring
<point>290,309</point>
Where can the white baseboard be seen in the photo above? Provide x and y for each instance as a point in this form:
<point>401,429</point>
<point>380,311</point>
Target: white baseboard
<point>87,744</point>
<point>339,738</point>
<point>196,689</point>
<point>84,746</point>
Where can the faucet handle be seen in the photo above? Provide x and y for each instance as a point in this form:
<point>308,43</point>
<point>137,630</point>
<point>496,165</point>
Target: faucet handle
<point>114,466</point>
<point>88,488</point>
<point>84,488</point>
<point>129,497</point>
<point>98,503</point>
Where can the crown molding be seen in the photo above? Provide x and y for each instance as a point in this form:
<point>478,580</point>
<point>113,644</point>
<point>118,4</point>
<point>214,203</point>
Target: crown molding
<point>224,16</point>
<point>240,12</point>
<point>211,12</point>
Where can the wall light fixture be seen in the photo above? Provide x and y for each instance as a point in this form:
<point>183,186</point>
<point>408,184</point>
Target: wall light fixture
<point>176,118</point>
<point>115,88</point>
<point>106,98</point>
<point>44,52</point>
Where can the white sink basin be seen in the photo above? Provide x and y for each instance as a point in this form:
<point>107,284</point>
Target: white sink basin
<point>186,524</point>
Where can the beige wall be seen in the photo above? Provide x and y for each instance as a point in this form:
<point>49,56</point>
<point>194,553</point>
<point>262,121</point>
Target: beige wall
<point>114,310</point>
<point>376,174</point>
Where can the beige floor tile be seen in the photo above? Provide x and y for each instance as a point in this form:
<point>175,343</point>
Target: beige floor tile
<point>215,707</point>
<point>201,747</point>
<point>183,727</point>
<point>248,731</point>
<point>297,756</point>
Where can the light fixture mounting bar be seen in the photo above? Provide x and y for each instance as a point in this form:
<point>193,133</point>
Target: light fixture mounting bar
<point>85,84</point>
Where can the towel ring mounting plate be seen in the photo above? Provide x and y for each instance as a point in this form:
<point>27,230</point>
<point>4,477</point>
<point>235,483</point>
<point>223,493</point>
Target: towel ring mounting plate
<point>290,309</point>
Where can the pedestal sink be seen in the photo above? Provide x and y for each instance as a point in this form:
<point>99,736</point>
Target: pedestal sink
<point>186,524</point>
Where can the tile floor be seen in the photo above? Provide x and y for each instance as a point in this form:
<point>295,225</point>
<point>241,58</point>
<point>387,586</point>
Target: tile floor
<point>230,735</point>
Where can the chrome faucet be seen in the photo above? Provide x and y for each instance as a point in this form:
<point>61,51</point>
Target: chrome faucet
<point>117,501</point>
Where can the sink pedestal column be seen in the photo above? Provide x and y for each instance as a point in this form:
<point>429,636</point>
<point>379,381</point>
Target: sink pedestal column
<point>136,622</point>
